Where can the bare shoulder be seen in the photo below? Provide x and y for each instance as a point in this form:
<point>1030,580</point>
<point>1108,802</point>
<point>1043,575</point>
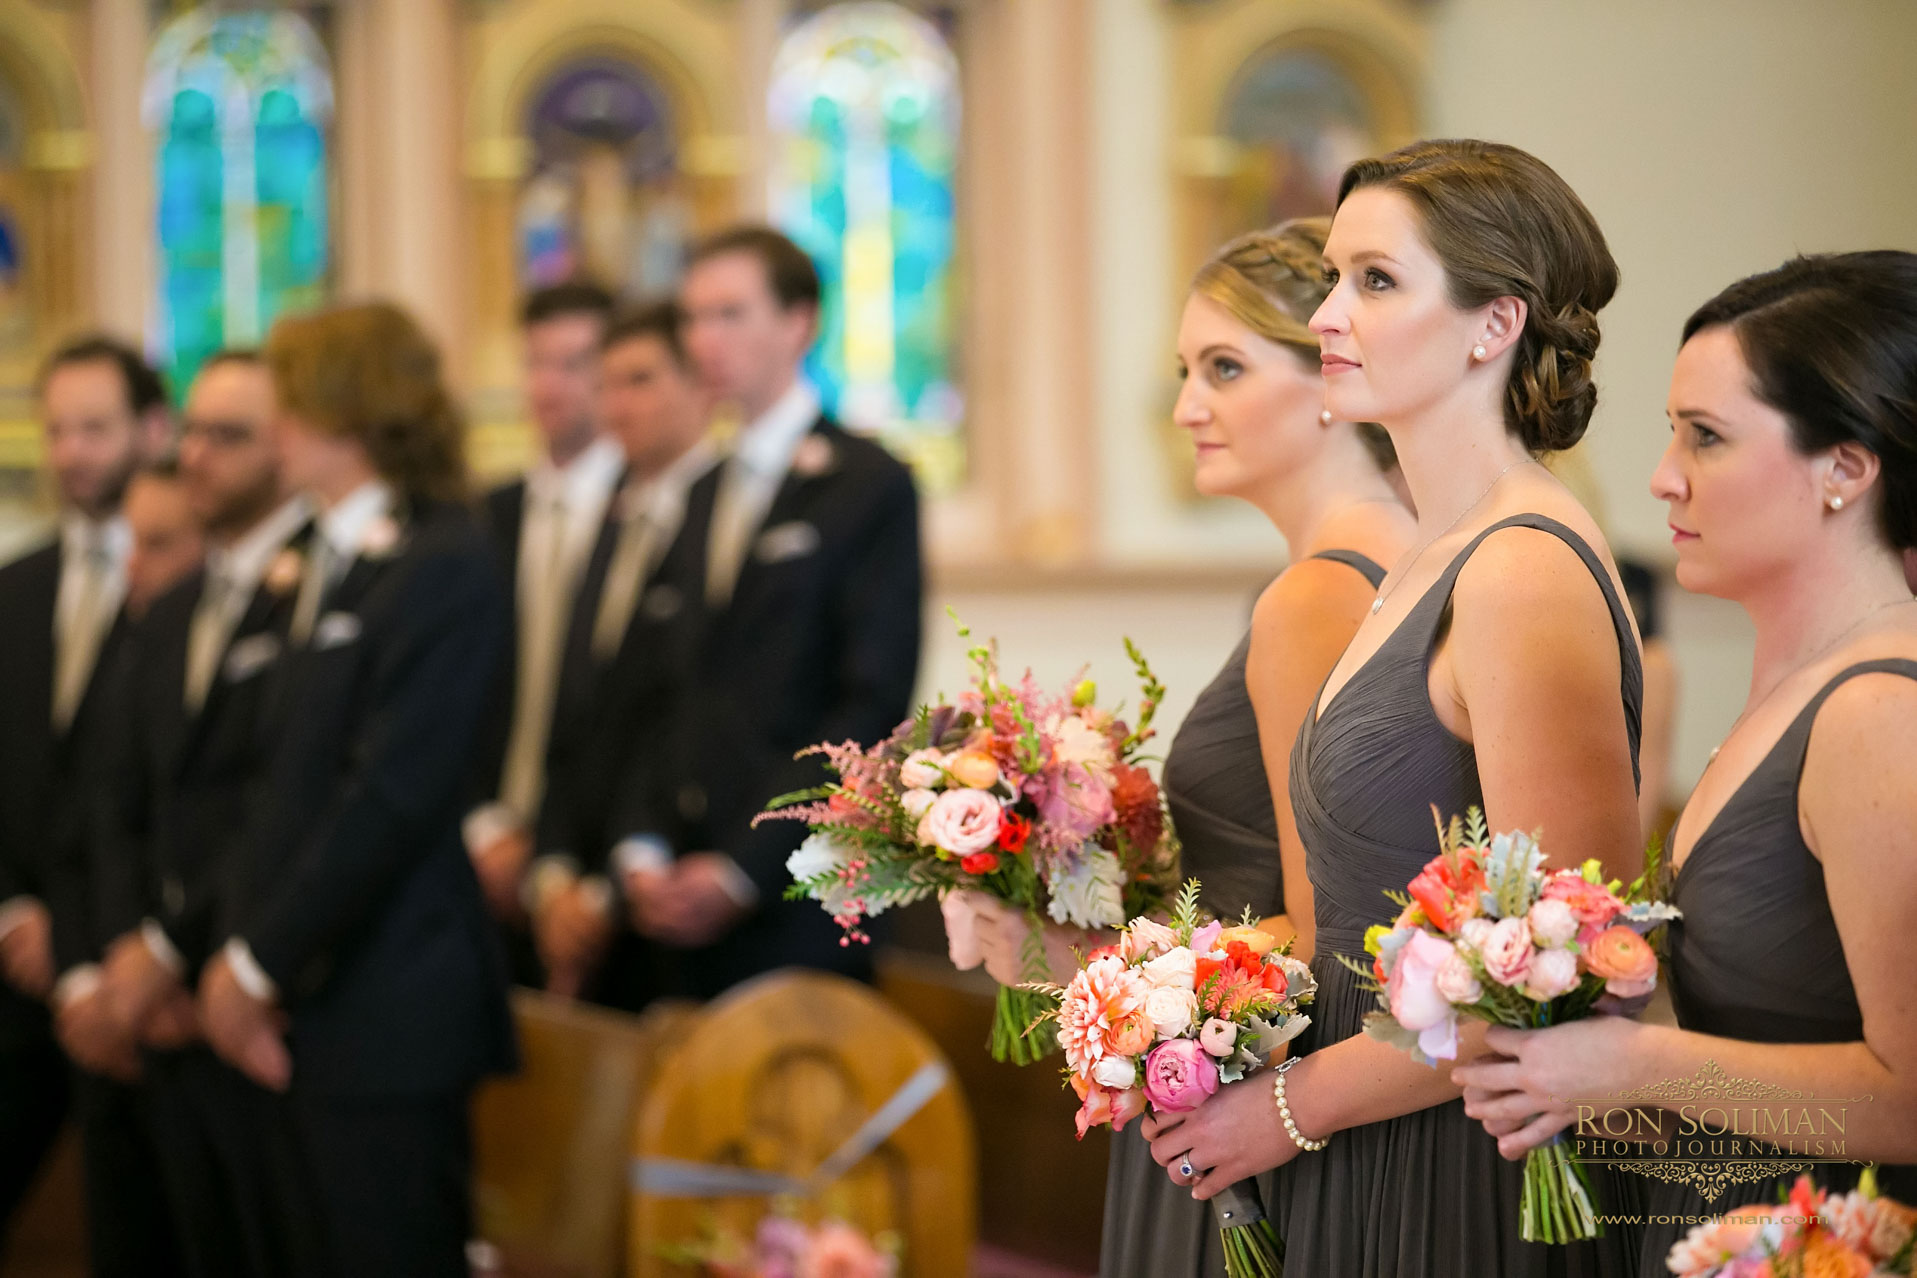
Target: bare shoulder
<point>1311,591</point>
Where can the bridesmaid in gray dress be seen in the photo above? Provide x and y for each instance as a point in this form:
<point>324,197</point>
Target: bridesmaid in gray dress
<point>1792,483</point>
<point>1499,668</point>
<point>1252,402</point>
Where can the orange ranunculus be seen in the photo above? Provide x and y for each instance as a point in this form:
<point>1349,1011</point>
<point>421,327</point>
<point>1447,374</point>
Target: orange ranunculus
<point>973,769</point>
<point>1619,954</point>
<point>1447,890</point>
<point>1129,1034</point>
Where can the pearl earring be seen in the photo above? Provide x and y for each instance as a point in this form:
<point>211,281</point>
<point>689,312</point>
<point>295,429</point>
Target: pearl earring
<point>1325,416</point>
<point>1836,503</point>
<point>1477,352</point>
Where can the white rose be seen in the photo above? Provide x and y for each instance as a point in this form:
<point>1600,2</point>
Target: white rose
<point>1171,1011</point>
<point>1553,972</point>
<point>921,770</point>
<point>1552,923</point>
<point>1457,983</point>
<point>1474,931</point>
<point>916,802</point>
<point>1177,970</point>
<point>1115,1072</point>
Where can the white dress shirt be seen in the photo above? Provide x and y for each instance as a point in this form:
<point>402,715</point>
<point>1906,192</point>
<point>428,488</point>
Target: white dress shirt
<point>343,532</point>
<point>93,555</point>
<point>760,458</point>
<point>651,513</point>
<point>233,576</point>
<point>564,508</point>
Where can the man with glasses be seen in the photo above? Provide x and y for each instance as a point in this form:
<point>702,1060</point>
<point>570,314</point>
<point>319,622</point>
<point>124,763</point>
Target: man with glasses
<point>193,688</point>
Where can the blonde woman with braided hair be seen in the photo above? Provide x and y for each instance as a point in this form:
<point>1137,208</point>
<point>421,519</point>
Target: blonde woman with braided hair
<point>1252,402</point>
<point>1497,667</point>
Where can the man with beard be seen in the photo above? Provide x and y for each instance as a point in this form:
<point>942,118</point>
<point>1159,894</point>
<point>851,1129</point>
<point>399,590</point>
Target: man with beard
<point>60,622</point>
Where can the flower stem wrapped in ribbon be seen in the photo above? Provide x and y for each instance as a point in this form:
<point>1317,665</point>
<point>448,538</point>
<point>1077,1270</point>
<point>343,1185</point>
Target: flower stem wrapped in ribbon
<point>1165,1016</point>
<point>1486,931</point>
<point>1041,801</point>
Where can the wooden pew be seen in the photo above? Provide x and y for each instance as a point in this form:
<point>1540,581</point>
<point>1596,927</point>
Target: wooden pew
<point>551,1145</point>
<point>775,1076</point>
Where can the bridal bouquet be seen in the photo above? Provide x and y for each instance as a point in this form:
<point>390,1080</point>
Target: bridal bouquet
<point>1485,931</point>
<point>1854,1235</point>
<point>1038,800</point>
<point>1164,1016</point>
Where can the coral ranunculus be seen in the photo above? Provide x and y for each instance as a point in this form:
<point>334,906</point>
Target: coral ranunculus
<point>1448,890</point>
<point>1624,959</point>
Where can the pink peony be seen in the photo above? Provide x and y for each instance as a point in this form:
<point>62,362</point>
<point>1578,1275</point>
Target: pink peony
<point>1146,939</point>
<point>1507,951</point>
<point>1415,1000</point>
<point>1592,903</point>
<point>1218,1037</point>
<point>1179,1076</point>
<point>1553,972</point>
<point>961,822</point>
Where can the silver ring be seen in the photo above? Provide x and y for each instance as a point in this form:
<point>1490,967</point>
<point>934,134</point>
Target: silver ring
<point>1184,1169</point>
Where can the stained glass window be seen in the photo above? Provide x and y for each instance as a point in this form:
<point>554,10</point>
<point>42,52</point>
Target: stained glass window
<point>238,104</point>
<point>864,108</point>
<point>1299,119</point>
<point>604,199</point>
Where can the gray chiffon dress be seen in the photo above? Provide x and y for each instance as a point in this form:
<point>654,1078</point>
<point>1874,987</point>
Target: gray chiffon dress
<point>1426,1193</point>
<point>1221,805</point>
<point>1757,957</point>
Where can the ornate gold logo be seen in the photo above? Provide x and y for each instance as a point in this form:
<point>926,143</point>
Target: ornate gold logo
<point>1713,1130</point>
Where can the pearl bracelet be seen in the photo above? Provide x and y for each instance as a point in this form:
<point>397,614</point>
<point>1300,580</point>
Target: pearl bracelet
<point>1284,1112</point>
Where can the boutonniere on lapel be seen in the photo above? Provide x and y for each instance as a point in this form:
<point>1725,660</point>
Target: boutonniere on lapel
<point>815,456</point>
<point>381,539</point>
<point>284,574</point>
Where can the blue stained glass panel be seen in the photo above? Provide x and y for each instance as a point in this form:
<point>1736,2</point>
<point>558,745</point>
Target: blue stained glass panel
<point>864,110</point>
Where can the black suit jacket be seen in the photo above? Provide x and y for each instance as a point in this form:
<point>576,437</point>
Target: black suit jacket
<point>503,513</point>
<point>45,776</point>
<point>182,779</point>
<point>819,642</point>
<point>353,888</point>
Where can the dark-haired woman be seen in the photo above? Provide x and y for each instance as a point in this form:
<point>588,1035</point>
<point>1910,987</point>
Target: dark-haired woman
<point>1792,483</point>
<point>1252,402</point>
<point>1498,668</point>
<point>361,987</point>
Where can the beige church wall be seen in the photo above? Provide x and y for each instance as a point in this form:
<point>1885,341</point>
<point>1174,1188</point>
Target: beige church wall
<point>1711,139</point>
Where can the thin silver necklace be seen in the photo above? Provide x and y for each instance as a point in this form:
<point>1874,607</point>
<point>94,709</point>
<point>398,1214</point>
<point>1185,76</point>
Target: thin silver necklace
<point>1805,664</point>
<point>1378,602</point>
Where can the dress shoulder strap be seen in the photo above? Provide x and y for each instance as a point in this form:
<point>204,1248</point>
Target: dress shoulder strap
<point>1437,601</point>
<point>1798,734</point>
<point>1352,559</point>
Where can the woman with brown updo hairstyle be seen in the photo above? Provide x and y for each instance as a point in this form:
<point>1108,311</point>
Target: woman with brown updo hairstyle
<point>1253,403</point>
<point>360,991</point>
<point>1496,668</point>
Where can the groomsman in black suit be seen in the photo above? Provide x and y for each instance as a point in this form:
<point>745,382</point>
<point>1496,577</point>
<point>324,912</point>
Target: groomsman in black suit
<point>620,671</point>
<point>192,745</point>
<point>805,546</point>
<point>60,621</point>
<point>542,526</point>
<point>356,977</point>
